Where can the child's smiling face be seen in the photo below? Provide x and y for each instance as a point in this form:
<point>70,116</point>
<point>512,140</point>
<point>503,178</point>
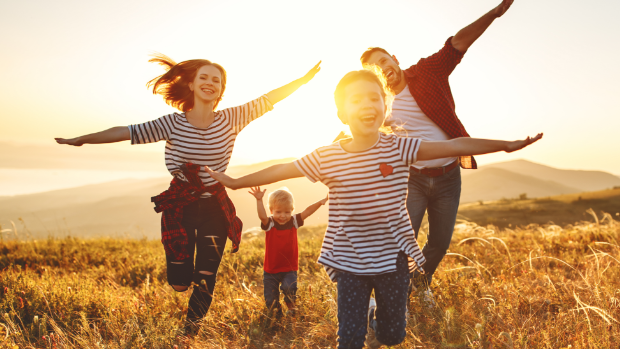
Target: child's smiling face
<point>281,214</point>
<point>364,107</point>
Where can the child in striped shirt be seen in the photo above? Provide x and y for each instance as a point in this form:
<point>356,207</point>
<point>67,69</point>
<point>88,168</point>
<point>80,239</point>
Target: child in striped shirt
<point>369,243</point>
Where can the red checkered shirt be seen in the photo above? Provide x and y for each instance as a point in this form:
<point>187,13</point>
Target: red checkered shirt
<point>181,193</point>
<point>429,86</point>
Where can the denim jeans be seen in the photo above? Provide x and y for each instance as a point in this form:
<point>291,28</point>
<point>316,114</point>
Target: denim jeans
<point>439,196</point>
<point>206,229</point>
<point>273,283</point>
<point>390,316</point>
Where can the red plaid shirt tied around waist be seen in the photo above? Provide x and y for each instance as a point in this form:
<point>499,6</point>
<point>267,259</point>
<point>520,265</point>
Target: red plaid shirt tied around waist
<point>429,86</point>
<point>181,193</point>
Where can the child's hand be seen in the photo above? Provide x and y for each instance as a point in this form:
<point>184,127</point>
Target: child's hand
<point>340,136</point>
<point>223,178</point>
<point>517,145</point>
<point>324,200</point>
<point>71,141</point>
<point>310,74</point>
<point>257,193</point>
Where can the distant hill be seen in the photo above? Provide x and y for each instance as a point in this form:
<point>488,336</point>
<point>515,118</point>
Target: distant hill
<point>560,210</point>
<point>124,208</point>
<point>512,178</point>
<point>103,157</point>
<point>579,179</point>
<point>489,183</point>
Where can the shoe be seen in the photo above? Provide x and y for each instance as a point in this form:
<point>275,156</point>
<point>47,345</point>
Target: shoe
<point>190,329</point>
<point>292,309</point>
<point>371,340</point>
<point>427,298</point>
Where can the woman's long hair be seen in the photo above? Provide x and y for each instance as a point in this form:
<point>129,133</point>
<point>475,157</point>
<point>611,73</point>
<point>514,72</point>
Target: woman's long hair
<point>174,84</point>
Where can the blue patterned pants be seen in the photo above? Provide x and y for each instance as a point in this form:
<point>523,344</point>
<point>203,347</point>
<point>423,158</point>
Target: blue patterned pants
<point>390,317</point>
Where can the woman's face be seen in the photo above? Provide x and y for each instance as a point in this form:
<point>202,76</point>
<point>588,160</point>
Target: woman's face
<point>364,107</point>
<point>207,84</point>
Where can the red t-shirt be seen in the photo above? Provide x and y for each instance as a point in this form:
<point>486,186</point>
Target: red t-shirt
<point>281,245</point>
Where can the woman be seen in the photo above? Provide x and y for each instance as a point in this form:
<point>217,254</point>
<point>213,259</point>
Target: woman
<point>197,136</point>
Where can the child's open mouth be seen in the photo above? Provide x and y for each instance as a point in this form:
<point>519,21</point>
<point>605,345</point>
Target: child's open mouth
<point>368,120</point>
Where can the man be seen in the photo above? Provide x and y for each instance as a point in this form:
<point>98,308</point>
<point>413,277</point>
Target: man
<point>424,108</point>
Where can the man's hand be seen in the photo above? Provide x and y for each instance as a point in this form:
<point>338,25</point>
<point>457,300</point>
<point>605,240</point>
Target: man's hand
<point>71,141</point>
<point>502,8</point>
<point>311,73</point>
<point>516,145</point>
<point>466,36</point>
<point>223,178</point>
<point>257,193</point>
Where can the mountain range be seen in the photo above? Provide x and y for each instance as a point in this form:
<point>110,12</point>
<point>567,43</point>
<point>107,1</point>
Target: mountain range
<point>123,208</point>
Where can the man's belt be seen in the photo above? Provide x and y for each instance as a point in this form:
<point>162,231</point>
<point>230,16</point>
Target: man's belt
<point>436,171</point>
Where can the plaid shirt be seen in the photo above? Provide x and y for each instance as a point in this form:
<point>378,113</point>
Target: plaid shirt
<point>181,193</point>
<point>429,86</point>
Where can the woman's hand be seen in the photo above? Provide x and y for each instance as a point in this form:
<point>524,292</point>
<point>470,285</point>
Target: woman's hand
<point>502,8</point>
<point>223,178</point>
<point>310,74</point>
<point>517,145</point>
<point>70,141</point>
<point>257,193</point>
<point>280,93</point>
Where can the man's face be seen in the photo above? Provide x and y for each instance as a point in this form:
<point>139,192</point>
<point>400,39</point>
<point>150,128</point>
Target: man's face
<point>389,67</point>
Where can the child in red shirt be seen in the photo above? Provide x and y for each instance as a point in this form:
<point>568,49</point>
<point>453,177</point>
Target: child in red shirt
<point>281,256</point>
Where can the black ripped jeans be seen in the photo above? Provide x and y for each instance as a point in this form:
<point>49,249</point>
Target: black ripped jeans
<point>206,229</point>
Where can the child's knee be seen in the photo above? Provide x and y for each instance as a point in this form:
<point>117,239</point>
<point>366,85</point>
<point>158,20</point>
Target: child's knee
<point>391,333</point>
<point>289,289</point>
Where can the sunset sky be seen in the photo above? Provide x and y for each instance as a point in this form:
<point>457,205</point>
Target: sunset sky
<point>76,67</point>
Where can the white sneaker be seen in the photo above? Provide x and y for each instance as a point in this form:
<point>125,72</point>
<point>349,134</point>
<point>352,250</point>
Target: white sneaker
<point>428,299</point>
<point>371,340</point>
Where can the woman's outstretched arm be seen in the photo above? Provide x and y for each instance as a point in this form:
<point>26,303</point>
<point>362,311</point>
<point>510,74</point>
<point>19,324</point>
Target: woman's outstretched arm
<point>114,134</point>
<point>269,175</point>
<point>282,92</point>
<point>470,146</point>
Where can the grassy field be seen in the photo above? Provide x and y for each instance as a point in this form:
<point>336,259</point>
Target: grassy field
<point>560,210</point>
<point>538,286</point>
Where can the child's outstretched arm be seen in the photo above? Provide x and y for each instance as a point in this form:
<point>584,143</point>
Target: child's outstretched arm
<point>470,146</point>
<point>312,208</point>
<point>260,207</point>
<point>269,175</point>
<point>111,135</point>
<point>282,92</point>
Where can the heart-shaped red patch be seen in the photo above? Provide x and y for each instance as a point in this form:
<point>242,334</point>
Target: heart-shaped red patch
<point>386,169</point>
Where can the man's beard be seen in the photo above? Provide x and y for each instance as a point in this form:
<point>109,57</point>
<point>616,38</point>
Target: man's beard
<point>397,78</point>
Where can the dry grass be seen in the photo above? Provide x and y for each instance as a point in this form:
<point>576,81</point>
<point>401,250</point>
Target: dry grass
<point>532,287</point>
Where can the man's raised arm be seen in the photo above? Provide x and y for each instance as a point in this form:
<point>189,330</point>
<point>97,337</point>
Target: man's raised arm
<point>466,36</point>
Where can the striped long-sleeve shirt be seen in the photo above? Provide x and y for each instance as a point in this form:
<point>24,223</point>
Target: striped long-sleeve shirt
<point>211,146</point>
<point>368,219</point>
